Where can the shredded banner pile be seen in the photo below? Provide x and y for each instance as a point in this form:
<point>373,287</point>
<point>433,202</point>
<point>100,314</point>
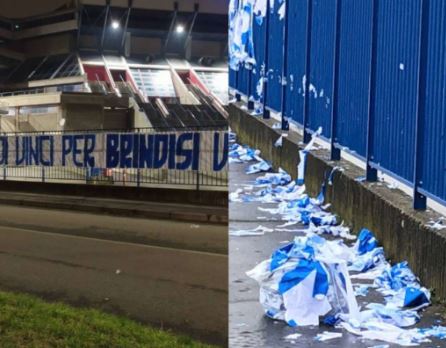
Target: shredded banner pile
<point>312,279</point>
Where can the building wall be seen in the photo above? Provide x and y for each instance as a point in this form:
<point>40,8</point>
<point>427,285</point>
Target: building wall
<point>45,45</point>
<point>214,6</point>
<point>27,8</point>
<point>145,45</point>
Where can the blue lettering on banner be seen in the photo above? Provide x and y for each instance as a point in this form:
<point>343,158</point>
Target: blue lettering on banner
<point>30,150</point>
<point>4,151</point>
<point>179,151</point>
<point>49,140</point>
<point>186,153</point>
<point>172,151</point>
<point>160,153</point>
<point>146,151</point>
<point>90,145</point>
<point>20,155</point>
<point>67,145</point>
<point>77,150</point>
<point>112,153</point>
<point>217,164</point>
<point>126,150</point>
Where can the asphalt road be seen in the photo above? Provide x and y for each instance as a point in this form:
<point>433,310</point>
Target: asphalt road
<point>166,273</point>
<point>248,327</point>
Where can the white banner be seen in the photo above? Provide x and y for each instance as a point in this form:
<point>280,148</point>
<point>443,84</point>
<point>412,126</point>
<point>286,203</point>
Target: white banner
<point>191,150</point>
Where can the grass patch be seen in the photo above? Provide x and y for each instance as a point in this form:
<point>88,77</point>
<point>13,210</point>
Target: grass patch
<point>27,321</point>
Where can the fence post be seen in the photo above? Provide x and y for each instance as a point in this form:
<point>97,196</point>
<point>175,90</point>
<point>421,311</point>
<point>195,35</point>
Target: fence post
<point>251,67</point>
<point>238,96</point>
<point>372,173</point>
<point>335,152</point>
<point>285,123</point>
<point>250,102</point>
<point>306,118</point>
<point>266,113</point>
<point>419,200</point>
<point>138,169</point>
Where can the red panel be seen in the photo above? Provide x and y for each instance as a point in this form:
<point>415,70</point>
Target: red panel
<point>197,82</point>
<point>129,78</point>
<point>95,72</point>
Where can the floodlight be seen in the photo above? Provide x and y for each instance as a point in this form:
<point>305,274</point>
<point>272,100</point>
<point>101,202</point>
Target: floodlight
<point>179,29</point>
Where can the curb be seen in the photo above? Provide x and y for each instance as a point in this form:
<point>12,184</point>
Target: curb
<point>84,206</point>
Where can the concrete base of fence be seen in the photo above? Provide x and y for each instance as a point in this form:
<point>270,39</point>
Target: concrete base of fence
<point>152,194</point>
<point>388,213</point>
<point>119,207</point>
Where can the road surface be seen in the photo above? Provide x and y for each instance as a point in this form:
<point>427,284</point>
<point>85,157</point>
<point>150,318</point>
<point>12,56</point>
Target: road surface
<point>166,273</point>
<point>248,327</point>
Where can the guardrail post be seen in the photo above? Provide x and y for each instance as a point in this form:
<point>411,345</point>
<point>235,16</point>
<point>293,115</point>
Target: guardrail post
<point>138,169</point>
<point>198,180</point>
<point>266,113</point>
<point>419,200</point>
<point>335,152</point>
<point>285,123</point>
<point>306,118</point>
<point>251,66</point>
<point>372,173</point>
<point>250,102</point>
<point>138,176</point>
<point>238,96</point>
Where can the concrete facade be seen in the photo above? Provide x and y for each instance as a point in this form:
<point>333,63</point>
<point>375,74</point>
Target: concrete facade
<point>80,112</point>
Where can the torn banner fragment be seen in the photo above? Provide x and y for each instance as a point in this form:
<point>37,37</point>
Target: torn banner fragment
<point>304,281</point>
<point>303,157</point>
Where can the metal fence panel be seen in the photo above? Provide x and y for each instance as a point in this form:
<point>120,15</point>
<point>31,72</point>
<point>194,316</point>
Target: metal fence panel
<point>232,79</point>
<point>243,80</point>
<point>434,154</point>
<point>54,160</point>
<point>275,59</point>
<point>398,125</point>
<point>259,36</point>
<point>297,31</point>
<point>354,70</point>
<point>396,86</point>
<point>321,67</point>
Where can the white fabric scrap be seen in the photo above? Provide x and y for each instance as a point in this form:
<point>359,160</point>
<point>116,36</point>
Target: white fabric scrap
<point>437,225</point>
<point>282,10</point>
<point>279,142</point>
<point>326,335</point>
<point>303,157</point>
<point>292,336</point>
<point>258,231</point>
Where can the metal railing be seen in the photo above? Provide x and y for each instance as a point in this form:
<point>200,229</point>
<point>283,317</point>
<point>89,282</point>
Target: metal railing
<point>195,179</point>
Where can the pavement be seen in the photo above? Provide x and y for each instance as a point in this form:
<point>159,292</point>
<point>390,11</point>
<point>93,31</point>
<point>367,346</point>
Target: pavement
<point>168,274</point>
<point>248,327</point>
<point>119,207</point>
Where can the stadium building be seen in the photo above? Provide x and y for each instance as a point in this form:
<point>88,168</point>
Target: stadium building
<point>121,65</point>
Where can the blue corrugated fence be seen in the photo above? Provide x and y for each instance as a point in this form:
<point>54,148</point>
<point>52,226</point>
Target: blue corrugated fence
<point>372,73</point>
